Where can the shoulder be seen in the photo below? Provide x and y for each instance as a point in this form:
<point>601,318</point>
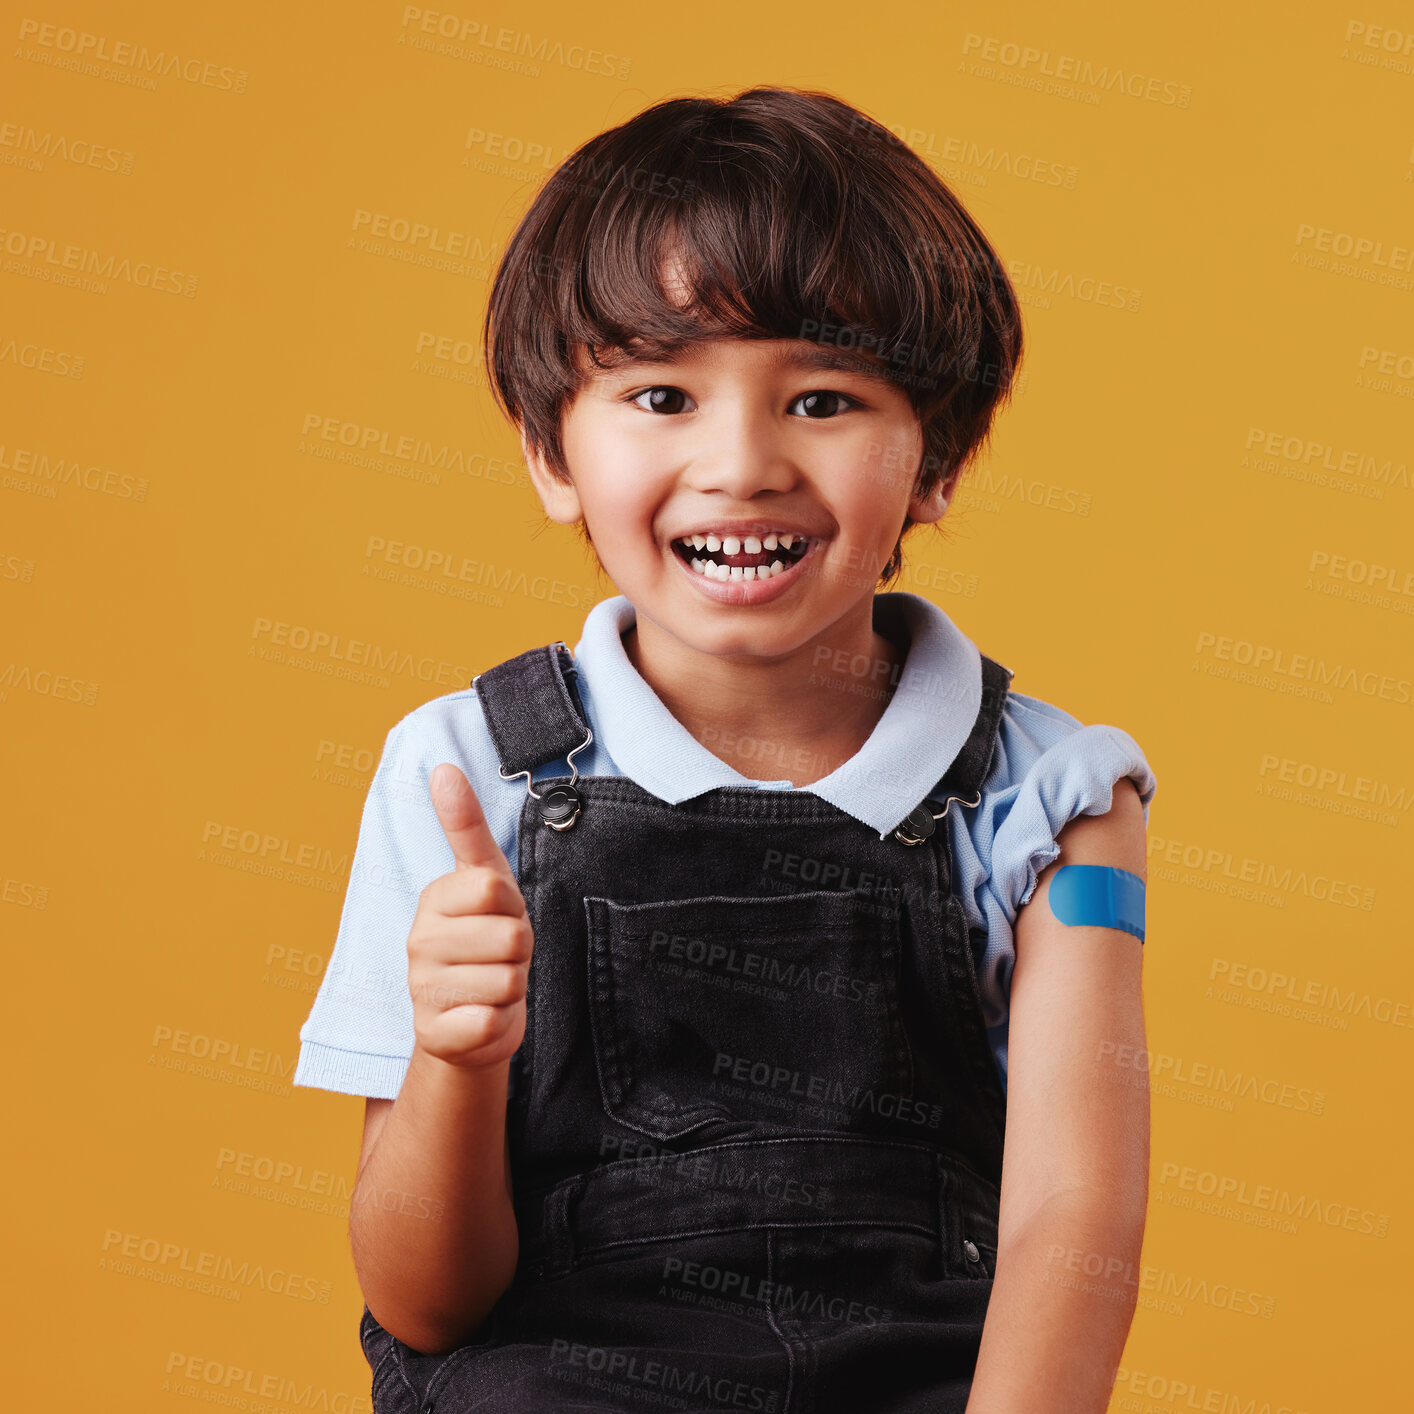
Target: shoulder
<point>1049,769</point>
<point>1044,748</point>
<point>453,720</point>
<point>449,728</point>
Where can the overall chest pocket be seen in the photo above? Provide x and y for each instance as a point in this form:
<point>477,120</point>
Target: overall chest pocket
<point>780,1010</point>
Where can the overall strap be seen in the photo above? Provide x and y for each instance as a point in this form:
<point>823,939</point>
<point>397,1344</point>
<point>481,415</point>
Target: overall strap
<point>963,779</point>
<point>532,707</point>
<point>534,713</point>
<point>969,769</point>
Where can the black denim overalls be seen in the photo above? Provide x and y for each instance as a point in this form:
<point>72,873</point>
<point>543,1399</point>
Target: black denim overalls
<point>756,1128</point>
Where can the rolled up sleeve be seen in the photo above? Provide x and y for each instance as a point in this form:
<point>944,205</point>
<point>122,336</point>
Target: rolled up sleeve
<point>1076,776</point>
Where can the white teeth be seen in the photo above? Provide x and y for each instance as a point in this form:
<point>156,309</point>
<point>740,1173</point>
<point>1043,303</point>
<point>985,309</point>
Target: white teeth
<point>753,544</point>
<point>711,570</point>
<point>735,545</point>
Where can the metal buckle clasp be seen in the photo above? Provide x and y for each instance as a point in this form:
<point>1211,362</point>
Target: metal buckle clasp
<point>920,822</point>
<point>560,805</point>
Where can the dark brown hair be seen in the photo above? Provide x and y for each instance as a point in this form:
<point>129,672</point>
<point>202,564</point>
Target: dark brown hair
<point>795,216</point>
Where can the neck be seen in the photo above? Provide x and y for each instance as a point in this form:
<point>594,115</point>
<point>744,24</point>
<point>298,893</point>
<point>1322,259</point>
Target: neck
<point>797,717</point>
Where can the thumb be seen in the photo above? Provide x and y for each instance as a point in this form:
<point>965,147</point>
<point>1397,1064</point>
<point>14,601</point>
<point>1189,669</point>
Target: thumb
<point>462,820</point>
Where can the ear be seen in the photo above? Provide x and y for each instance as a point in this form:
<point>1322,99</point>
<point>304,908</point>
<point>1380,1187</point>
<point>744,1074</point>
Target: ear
<point>559,498</point>
<point>924,510</point>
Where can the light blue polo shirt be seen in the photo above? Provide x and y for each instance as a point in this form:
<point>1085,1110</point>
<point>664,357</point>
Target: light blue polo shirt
<point>1048,768</point>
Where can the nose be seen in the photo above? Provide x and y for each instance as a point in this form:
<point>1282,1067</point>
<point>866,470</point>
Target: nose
<point>742,453</point>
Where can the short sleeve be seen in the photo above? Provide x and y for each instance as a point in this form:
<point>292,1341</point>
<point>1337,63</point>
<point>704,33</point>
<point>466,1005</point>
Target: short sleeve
<point>358,1038</point>
<point>1073,775</point>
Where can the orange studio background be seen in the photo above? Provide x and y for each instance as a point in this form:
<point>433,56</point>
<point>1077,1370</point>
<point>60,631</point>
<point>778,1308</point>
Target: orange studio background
<point>243,427</point>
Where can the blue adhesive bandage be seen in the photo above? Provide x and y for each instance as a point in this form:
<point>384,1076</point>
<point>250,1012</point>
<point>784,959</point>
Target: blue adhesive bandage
<point>1098,895</point>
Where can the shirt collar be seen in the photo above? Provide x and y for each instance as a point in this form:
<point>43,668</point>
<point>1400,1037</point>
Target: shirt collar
<point>919,735</point>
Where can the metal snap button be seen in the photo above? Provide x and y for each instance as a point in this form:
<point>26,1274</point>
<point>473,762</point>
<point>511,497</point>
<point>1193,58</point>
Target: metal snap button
<point>916,827</point>
<point>970,1248</point>
<point>559,807</point>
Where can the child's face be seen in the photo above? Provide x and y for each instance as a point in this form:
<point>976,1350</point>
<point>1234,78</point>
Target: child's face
<point>743,437</point>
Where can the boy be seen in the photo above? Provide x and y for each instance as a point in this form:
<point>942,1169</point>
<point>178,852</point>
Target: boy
<point>690,1061</point>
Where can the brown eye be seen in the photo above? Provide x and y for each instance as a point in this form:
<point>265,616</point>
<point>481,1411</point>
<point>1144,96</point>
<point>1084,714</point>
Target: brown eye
<point>823,403</point>
<point>660,399</point>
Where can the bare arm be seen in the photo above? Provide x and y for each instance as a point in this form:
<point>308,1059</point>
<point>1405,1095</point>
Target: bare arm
<point>431,1224</point>
<point>1075,1176</point>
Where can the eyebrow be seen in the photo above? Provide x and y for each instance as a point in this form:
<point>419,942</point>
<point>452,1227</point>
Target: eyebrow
<point>839,360</point>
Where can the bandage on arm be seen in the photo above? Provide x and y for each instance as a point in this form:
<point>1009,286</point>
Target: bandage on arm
<point>1098,895</point>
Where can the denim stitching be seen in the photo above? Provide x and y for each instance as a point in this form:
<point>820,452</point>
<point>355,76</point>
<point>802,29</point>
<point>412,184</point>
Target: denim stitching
<point>616,1076</point>
<point>771,1314</point>
<point>397,1353</point>
<point>677,1234</point>
<point>382,1360</point>
<point>607,918</point>
<point>454,1361</point>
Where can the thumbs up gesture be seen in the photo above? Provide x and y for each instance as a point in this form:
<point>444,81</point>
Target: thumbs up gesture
<point>470,944</point>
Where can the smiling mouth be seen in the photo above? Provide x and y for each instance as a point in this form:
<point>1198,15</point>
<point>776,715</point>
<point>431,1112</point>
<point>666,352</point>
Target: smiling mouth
<point>732,559</point>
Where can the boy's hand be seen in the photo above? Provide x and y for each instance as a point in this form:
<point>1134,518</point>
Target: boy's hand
<point>469,947</point>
